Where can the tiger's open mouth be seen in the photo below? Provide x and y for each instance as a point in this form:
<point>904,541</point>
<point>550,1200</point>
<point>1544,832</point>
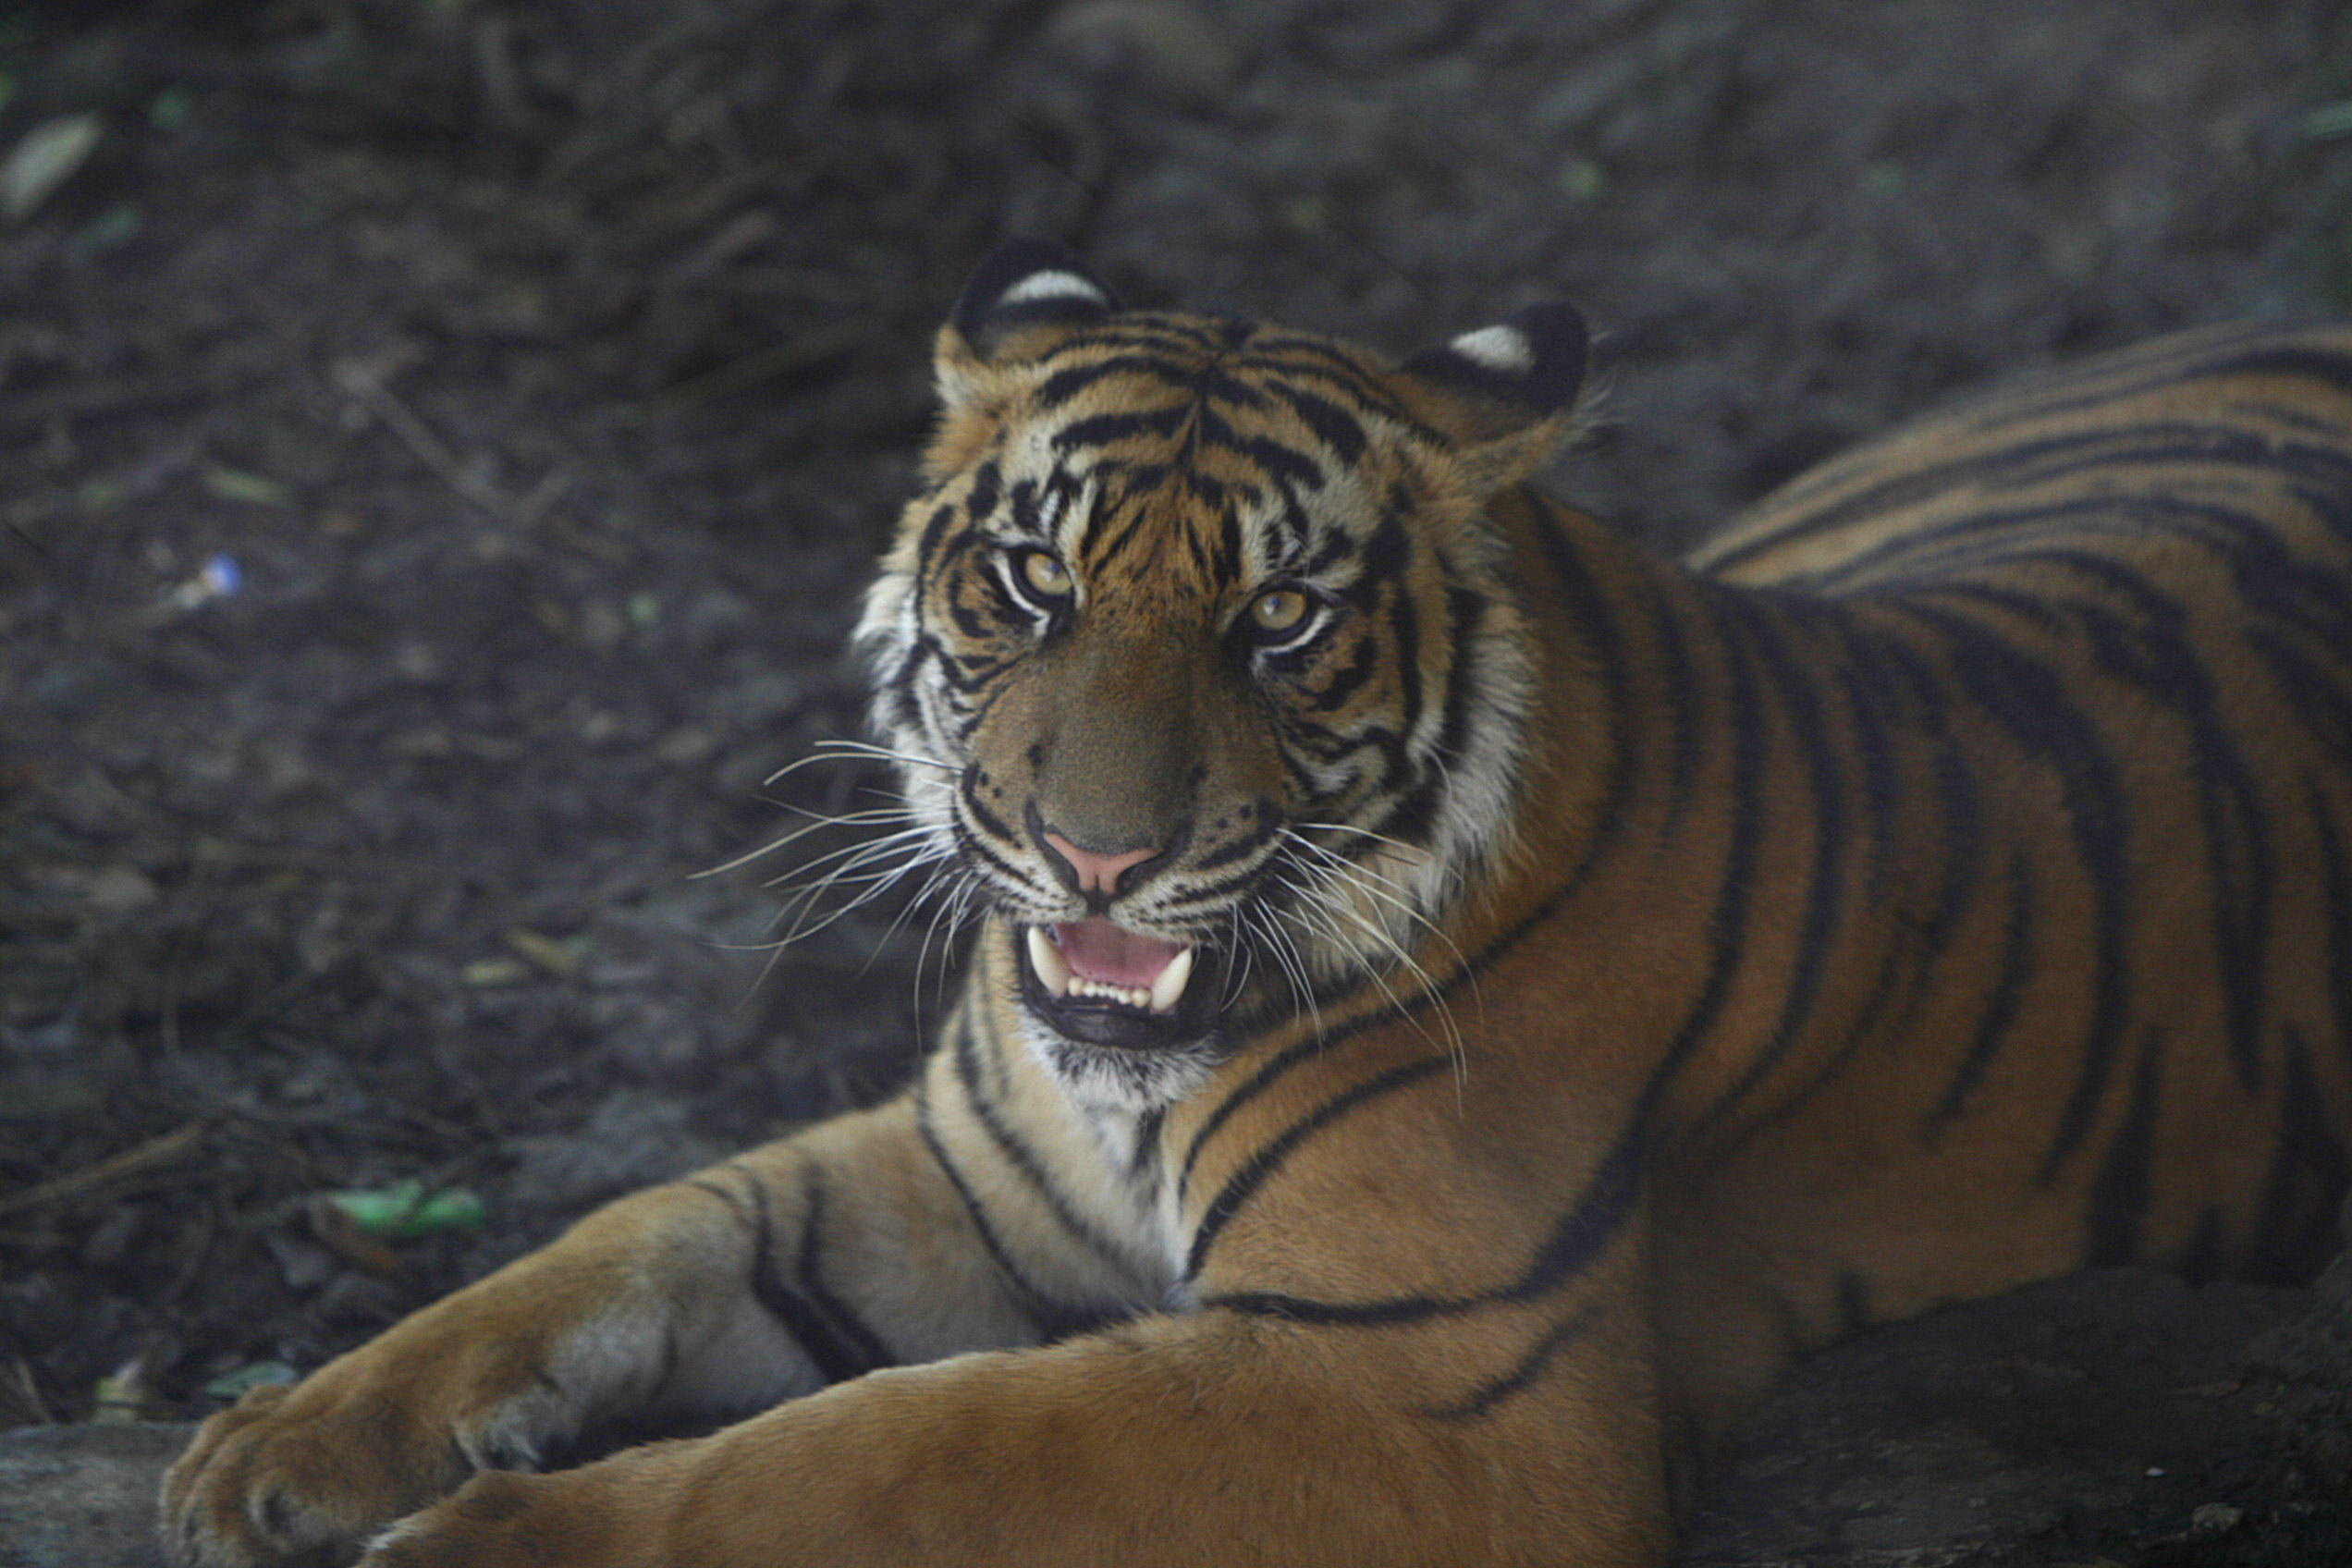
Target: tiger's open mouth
<point>1096,981</point>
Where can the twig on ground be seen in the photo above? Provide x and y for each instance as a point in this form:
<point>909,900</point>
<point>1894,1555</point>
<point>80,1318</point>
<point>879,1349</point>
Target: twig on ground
<point>361,383</point>
<point>32,1394</point>
<point>172,1146</point>
<point>782,359</point>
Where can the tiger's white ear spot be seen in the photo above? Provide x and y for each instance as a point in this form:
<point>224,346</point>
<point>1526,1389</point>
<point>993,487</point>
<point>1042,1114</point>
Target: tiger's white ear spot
<point>1054,285</point>
<point>1024,284</point>
<point>1528,367</point>
<point>1503,349</point>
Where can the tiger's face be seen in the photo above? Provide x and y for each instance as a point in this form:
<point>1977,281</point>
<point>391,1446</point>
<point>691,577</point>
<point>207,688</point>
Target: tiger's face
<point>1200,658</point>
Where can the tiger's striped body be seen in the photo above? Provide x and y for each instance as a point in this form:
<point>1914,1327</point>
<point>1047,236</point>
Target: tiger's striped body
<point>1597,980</point>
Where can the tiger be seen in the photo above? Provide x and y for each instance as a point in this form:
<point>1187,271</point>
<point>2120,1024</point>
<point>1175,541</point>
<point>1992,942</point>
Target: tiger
<point>1459,1002</point>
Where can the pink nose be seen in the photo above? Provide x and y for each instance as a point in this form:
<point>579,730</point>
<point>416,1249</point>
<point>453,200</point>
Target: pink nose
<point>1095,873</point>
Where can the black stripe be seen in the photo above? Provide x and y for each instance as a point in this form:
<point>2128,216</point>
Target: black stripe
<point>808,1272</point>
<point>1017,1153</point>
<point>1871,710</point>
<point>1150,332</point>
<point>2311,686</point>
<point>1679,696</point>
<point>968,787</point>
<point>1268,824</point>
<point>1589,610</point>
<point>1256,1083</point>
<point>835,1359</point>
<point>1253,1173</point>
<point>981,852</point>
<point>1908,489</point>
<point>985,486</point>
<point>1961,811</point>
<point>1021,500</point>
<point>2117,1201</point>
<point>2330,370</point>
<point>2159,657</point>
<point>1386,557</point>
<point>2303,625</point>
<point>2296,1224</point>
<point>1099,556</point>
<point>1727,922</point>
<point>934,531</point>
<point>2335,892</point>
<point>2298,613</point>
<point>1337,428</point>
<point>1101,430</point>
<point>2175,364</point>
<point>1284,463</point>
<point>1065,385</point>
<point>1144,1157</point>
<point>1792,683</point>
<point>1053,1319</point>
<point>1204,378</point>
<point>1340,684</point>
<point>1576,1241</point>
<point>1466,675</point>
<point>1531,1366</point>
<point>2028,699</point>
<point>1225,564</point>
<point>2207,1252</point>
<point>1853,1302</point>
<point>1869,1026</point>
<point>2000,1006</point>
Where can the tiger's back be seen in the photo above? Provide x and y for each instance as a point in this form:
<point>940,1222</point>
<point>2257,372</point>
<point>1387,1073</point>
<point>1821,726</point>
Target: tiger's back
<point>2073,727</point>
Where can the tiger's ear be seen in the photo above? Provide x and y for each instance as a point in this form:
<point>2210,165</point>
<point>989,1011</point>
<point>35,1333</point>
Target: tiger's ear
<point>1503,394</point>
<point>1023,299</point>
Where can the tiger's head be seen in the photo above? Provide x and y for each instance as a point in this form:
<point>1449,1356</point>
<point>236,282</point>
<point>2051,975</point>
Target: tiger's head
<point>1198,651</point>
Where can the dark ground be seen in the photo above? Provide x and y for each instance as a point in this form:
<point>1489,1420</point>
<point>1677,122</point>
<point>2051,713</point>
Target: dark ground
<point>550,371</point>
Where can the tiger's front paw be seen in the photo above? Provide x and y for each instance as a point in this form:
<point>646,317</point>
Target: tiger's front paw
<point>611,1515</point>
<point>307,1474</point>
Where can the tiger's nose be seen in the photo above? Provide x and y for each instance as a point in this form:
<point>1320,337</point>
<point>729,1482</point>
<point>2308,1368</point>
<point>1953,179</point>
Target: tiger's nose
<point>1097,874</point>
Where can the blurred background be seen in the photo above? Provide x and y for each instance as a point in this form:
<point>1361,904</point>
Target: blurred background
<point>442,441</point>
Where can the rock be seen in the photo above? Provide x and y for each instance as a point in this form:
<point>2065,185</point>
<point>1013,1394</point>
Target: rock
<point>85,1496</point>
<point>2104,1415</point>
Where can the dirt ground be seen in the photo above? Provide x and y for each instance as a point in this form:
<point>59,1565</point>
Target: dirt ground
<point>441,442</point>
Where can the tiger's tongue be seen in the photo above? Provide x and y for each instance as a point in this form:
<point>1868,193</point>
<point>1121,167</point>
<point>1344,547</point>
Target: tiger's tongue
<point>1096,950</point>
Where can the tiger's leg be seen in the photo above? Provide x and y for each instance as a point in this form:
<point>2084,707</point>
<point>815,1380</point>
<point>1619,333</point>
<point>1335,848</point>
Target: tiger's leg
<point>1216,1437</point>
<point>810,1261</point>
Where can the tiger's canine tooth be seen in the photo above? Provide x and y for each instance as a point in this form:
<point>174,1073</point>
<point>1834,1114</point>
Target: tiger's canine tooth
<point>1169,988</point>
<point>1046,960</point>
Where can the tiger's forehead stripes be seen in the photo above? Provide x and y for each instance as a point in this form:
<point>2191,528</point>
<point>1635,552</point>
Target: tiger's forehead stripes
<point>1223,447</point>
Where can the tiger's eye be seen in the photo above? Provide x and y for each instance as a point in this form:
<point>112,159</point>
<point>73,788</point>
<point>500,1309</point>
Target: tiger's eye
<point>1279,609</point>
<point>1043,573</point>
